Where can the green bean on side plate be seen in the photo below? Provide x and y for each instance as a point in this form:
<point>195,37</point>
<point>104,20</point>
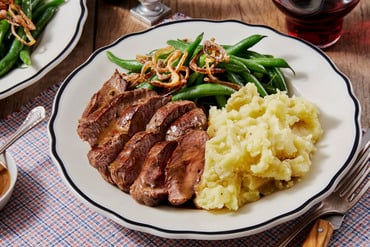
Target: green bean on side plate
<point>18,41</point>
<point>206,73</point>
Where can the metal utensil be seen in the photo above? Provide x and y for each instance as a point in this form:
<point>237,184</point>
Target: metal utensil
<point>35,116</point>
<point>150,11</point>
<point>347,193</point>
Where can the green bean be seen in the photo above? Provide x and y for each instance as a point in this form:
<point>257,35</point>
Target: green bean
<point>27,8</point>
<point>44,19</point>
<point>234,78</point>
<point>178,44</point>
<point>271,62</point>
<point>249,63</point>
<point>25,54</point>
<point>131,65</point>
<point>234,65</point>
<point>203,90</point>
<point>192,47</point>
<point>251,78</point>
<point>10,59</point>
<point>37,13</point>
<point>244,44</point>
<point>193,77</point>
<point>277,79</point>
<point>4,28</point>
<point>221,100</point>
<point>36,4</point>
<point>145,85</point>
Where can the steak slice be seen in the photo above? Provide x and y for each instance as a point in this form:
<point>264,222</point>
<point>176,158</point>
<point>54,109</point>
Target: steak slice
<point>90,128</point>
<point>168,113</point>
<point>115,85</point>
<point>113,139</point>
<point>185,166</point>
<point>136,117</point>
<point>101,156</point>
<point>194,119</point>
<point>149,188</point>
<point>127,166</point>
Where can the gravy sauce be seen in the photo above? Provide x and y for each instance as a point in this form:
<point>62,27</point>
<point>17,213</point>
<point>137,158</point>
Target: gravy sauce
<point>4,180</point>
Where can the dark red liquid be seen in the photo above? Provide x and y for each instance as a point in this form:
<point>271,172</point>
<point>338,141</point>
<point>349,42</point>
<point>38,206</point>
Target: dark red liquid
<point>322,26</point>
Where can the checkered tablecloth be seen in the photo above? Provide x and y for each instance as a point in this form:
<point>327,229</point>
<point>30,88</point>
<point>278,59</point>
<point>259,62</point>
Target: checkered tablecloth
<point>43,212</point>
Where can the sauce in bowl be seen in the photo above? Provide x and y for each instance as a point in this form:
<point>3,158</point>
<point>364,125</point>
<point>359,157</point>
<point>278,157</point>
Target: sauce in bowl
<point>4,180</point>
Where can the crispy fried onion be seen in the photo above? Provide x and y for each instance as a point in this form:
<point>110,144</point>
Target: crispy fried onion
<point>170,73</point>
<point>214,54</point>
<point>16,17</point>
<point>166,66</point>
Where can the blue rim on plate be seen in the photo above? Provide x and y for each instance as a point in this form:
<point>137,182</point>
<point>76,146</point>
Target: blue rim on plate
<point>249,219</point>
<point>21,78</point>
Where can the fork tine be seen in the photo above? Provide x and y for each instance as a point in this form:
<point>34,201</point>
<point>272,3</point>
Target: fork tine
<point>357,166</point>
<point>353,196</point>
<point>357,175</point>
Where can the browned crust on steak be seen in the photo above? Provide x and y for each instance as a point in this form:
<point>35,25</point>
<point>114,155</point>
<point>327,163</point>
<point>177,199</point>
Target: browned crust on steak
<point>127,166</point>
<point>115,85</point>
<point>90,128</point>
<point>194,119</point>
<point>136,117</point>
<point>113,139</point>
<point>185,167</point>
<point>102,156</point>
<point>168,113</point>
<point>150,188</point>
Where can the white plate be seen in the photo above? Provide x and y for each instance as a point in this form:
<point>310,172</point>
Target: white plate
<point>57,41</point>
<point>317,79</point>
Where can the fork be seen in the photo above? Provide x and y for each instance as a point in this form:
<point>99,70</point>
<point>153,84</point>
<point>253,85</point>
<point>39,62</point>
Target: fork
<point>347,193</point>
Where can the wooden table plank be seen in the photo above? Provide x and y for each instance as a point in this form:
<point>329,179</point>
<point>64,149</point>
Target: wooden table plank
<point>108,21</point>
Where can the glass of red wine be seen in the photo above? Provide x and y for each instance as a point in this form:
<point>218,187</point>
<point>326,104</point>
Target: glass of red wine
<point>317,21</point>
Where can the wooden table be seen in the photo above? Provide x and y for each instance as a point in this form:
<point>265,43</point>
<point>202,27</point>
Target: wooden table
<point>108,20</point>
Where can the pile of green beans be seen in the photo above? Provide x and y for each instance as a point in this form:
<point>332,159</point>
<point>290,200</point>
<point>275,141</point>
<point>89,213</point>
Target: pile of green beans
<point>12,51</point>
<point>244,66</point>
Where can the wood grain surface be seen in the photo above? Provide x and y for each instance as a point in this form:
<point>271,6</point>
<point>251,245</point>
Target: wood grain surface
<point>108,20</point>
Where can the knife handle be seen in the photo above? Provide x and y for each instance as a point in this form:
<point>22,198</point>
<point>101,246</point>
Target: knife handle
<point>320,234</point>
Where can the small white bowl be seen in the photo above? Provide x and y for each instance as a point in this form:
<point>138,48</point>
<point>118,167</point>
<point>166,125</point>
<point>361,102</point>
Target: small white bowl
<point>13,171</point>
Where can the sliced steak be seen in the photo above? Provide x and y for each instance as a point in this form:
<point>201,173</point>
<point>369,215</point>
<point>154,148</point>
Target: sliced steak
<point>168,113</point>
<point>101,156</point>
<point>91,127</point>
<point>127,166</point>
<point>149,188</point>
<point>194,119</point>
<point>136,117</point>
<point>114,86</point>
<point>185,166</point>
<point>113,138</point>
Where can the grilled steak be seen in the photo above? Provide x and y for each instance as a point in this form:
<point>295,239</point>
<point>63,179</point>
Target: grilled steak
<point>101,156</point>
<point>149,188</point>
<point>127,166</point>
<point>144,143</point>
<point>136,117</point>
<point>194,119</point>
<point>114,137</point>
<point>168,113</point>
<point>185,166</point>
<point>90,127</point>
<point>114,86</point>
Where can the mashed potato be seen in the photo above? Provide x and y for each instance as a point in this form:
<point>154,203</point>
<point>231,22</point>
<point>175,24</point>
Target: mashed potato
<point>257,146</point>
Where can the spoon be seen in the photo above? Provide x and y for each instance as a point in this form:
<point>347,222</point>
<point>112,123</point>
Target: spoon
<point>33,118</point>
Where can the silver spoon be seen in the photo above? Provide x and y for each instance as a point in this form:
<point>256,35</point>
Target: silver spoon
<point>35,116</point>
